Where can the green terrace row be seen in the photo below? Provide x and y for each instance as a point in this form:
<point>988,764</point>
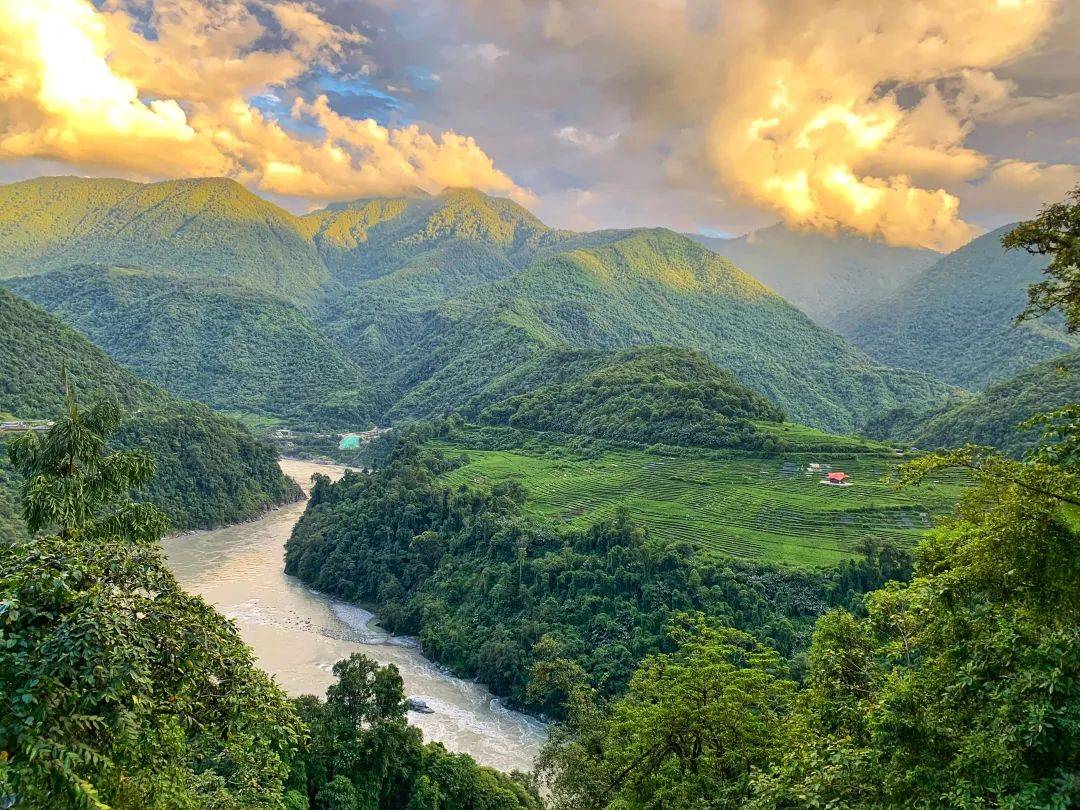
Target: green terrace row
<point>769,509</point>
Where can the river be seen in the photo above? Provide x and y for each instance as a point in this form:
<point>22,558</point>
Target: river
<point>298,634</point>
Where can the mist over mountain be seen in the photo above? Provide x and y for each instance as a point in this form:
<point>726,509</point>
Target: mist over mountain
<point>956,320</point>
<point>824,275</point>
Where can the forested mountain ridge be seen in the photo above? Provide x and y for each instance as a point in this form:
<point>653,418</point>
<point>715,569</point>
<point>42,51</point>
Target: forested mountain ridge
<point>231,347</point>
<point>649,286</point>
<point>991,417</point>
<point>34,345</point>
<point>203,226</point>
<point>434,298</point>
<point>211,469</point>
<point>645,395</point>
<point>824,275</point>
<point>956,320</point>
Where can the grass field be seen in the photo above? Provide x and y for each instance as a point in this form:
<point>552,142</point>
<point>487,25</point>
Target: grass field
<point>768,509</point>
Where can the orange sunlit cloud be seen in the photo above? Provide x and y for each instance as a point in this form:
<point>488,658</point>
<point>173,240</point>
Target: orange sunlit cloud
<point>81,85</point>
<point>850,114</point>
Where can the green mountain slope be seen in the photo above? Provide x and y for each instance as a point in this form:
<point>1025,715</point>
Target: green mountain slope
<point>210,469</point>
<point>955,321</point>
<point>34,346</point>
<point>621,289</point>
<point>433,298</point>
<point>645,395</point>
<point>822,274</point>
<point>227,346</point>
<point>992,416</point>
<point>211,227</point>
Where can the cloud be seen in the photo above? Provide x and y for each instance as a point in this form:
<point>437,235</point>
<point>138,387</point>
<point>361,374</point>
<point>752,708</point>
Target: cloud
<point>85,86</point>
<point>832,113</point>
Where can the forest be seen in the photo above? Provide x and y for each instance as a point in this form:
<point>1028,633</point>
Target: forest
<point>118,689</point>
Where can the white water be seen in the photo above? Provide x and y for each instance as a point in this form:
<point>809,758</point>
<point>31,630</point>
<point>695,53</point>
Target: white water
<point>298,634</point>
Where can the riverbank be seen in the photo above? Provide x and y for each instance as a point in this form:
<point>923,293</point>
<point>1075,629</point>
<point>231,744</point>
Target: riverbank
<point>298,634</point>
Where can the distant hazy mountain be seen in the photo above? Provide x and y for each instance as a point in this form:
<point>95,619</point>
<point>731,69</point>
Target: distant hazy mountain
<point>955,320</point>
<point>432,298</point>
<point>822,274</point>
<point>991,417</point>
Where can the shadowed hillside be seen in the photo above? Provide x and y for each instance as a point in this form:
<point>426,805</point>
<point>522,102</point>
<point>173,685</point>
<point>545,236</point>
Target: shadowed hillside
<point>956,320</point>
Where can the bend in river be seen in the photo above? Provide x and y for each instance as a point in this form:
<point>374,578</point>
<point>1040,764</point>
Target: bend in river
<point>298,634</point>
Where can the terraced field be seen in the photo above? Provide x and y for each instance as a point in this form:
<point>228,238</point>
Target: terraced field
<point>769,509</point>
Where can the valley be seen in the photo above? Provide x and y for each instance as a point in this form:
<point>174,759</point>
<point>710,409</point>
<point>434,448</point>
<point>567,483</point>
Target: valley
<point>600,456</point>
<point>297,634</point>
<point>539,405</point>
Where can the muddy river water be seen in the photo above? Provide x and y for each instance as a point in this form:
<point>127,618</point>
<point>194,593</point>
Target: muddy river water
<point>298,634</point>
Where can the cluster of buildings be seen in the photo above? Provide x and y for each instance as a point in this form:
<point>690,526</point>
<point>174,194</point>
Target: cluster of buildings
<point>22,427</point>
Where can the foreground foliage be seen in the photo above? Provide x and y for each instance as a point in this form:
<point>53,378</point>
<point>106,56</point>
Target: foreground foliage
<point>119,690</point>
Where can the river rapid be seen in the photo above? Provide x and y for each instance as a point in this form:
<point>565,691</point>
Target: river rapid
<point>298,634</point>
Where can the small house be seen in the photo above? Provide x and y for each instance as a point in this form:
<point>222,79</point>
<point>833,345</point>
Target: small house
<point>837,477</point>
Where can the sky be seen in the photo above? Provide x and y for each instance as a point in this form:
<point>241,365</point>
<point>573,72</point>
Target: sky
<point>919,122</point>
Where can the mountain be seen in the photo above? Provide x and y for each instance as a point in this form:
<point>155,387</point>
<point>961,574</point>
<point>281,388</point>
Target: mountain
<point>210,469</point>
<point>623,288</point>
<point>209,227</point>
<point>34,346</point>
<point>231,347</point>
<point>394,262</point>
<point>956,320</point>
<point>645,395</point>
<point>822,274</point>
<point>431,300</point>
<point>991,417</point>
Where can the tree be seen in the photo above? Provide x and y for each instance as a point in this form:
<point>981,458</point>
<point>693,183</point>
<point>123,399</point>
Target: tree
<point>961,688</point>
<point>117,689</point>
<point>1055,233</point>
<point>72,486</point>
<point>690,730</point>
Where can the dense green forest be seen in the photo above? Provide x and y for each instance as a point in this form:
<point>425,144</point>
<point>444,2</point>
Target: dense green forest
<point>994,417</point>
<point>119,690</point>
<point>958,689</point>
<point>956,320</point>
<point>645,395</point>
<point>212,470</point>
<point>34,346</point>
<point>230,347</point>
<point>497,594</point>
<point>618,289</point>
<point>435,298</point>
